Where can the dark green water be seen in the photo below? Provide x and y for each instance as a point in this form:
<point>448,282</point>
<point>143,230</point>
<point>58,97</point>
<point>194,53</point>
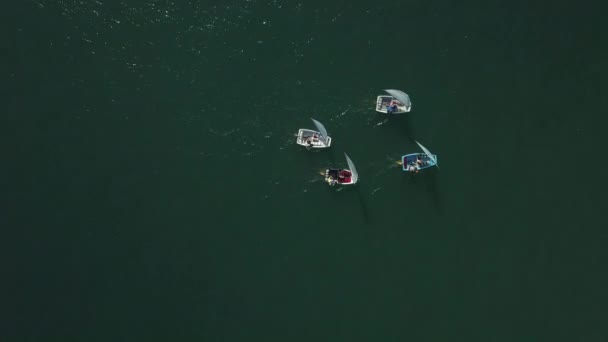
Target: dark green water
<point>153,190</point>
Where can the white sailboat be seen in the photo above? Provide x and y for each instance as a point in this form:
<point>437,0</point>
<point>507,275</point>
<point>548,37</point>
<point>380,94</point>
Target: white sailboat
<point>342,176</point>
<point>396,102</point>
<point>314,139</point>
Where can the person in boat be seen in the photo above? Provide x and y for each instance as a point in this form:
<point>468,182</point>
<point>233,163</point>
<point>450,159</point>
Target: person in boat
<point>413,169</point>
<point>308,140</point>
<point>395,103</point>
<point>331,180</point>
<point>419,161</point>
<point>392,107</point>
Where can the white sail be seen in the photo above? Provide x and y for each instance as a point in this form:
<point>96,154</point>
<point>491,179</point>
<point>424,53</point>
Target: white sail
<point>400,96</point>
<point>429,154</point>
<point>353,170</point>
<point>321,129</point>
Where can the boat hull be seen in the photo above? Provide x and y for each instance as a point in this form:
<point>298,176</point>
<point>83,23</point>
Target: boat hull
<point>383,101</point>
<point>338,177</point>
<point>410,160</point>
<point>306,135</point>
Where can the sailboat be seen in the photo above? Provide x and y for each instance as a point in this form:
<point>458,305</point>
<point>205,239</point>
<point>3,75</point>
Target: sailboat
<point>415,162</point>
<point>314,139</point>
<point>396,102</point>
<point>342,176</point>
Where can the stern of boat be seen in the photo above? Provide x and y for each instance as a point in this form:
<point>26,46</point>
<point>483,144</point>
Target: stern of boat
<point>381,103</point>
<point>299,136</point>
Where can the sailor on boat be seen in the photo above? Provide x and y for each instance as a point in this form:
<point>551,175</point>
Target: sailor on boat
<point>331,180</point>
<point>419,161</point>
<point>392,107</point>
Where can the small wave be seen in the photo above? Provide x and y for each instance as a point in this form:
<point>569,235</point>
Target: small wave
<point>224,133</point>
<point>382,122</point>
<point>339,115</point>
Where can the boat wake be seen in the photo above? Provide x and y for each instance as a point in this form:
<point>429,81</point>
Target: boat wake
<point>339,115</point>
<point>382,122</point>
<point>222,133</point>
<point>287,142</point>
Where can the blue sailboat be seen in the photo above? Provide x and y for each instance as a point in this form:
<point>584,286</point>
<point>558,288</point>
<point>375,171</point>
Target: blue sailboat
<point>414,162</point>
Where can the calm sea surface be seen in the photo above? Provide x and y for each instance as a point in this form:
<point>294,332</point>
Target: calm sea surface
<point>153,191</point>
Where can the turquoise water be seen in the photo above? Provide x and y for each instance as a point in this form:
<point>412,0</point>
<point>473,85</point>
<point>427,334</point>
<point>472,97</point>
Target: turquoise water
<point>154,189</point>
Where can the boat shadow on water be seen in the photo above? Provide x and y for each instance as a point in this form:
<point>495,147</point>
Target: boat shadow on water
<point>363,203</point>
<point>352,192</point>
<point>401,123</point>
<point>426,182</point>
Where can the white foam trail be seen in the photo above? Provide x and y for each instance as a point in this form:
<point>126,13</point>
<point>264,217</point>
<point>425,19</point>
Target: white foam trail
<point>382,122</point>
<point>339,115</point>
